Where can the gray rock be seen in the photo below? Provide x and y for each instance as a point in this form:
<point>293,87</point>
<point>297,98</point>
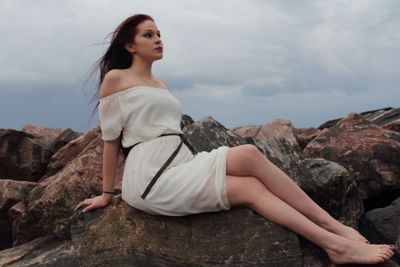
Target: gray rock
<point>120,235</point>
<point>43,251</point>
<point>332,187</point>
<point>382,225</point>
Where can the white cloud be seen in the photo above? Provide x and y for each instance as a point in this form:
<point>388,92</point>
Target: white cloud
<point>226,51</point>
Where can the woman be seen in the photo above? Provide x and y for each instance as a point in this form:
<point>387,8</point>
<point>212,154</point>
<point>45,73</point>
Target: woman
<point>138,105</point>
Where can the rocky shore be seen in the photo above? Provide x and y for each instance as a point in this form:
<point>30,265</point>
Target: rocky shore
<point>350,166</point>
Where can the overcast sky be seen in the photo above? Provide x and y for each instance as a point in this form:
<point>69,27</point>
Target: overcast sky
<point>241,62</point>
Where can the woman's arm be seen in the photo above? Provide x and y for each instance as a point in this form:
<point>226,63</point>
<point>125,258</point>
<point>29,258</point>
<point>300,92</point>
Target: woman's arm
<point>110,152</point>
<point>110,161</point>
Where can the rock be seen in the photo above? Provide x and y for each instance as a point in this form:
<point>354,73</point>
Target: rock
<point>17,210</point>
<point>384,117</point>
<point>120,235</point>
<point>53,138</point>
<point>280,152</point>
<point>370,153</point>
<point>5,232</point>
<point>22,157</point>
<point>12,192</point>
<point>305,135</point>
<point>238,237</point>
<point>43,251</point>
<point>51,202</point>
<point>368,115</point>
<point>186,120</point>
<point>44,134</point>
<point>278,128</point>
<point>382,225</point>
<point>72,150</point>
<point>333,188</point>
<point>63,138</point>
<point>329,184</point>
<point>393,126</point>
<point>207,134</point>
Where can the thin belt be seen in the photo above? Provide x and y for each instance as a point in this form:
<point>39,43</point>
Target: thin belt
<point>169,160</point>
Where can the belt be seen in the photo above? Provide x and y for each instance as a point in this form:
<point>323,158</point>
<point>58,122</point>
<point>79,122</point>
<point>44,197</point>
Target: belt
<point>169,160</point>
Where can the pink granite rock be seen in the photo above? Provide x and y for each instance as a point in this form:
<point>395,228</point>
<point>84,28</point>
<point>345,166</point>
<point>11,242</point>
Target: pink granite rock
<point>50,204</point>
<point>44,134</point>
<point>370,153</point>
<point>278,128</point>
<point>305,135</point>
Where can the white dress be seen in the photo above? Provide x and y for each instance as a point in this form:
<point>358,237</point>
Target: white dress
<point>191,183</point>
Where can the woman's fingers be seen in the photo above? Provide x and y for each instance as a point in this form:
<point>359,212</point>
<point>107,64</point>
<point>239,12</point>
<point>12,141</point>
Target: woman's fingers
<point>87,208</point>
<point>90,206</point>
<point>85,202</point>
<point>91,203</point>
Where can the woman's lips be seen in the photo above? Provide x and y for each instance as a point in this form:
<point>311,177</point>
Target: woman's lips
<point>159,49</point>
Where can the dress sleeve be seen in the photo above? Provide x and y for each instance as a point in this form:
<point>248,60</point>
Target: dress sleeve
<point>110,118</point>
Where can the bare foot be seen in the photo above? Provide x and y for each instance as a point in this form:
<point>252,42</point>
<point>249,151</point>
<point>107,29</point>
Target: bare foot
<point>348,232</point>
<point>361,253</point>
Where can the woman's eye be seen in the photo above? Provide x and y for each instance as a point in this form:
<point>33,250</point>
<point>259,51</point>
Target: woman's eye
<point>147,34</point>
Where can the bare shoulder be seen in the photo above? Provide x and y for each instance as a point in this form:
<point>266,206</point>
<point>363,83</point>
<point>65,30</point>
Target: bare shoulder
<point>111,83</point>
<point>163,83</point>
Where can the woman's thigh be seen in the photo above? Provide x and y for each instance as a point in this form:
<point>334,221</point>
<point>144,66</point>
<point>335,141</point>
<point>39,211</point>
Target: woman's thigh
<point>243,190</point>
<point>240,160</point>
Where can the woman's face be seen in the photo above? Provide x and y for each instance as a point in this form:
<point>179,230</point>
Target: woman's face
<point>147,43</point>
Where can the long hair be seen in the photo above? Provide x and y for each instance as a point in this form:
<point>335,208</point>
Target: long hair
<point>116,56</point>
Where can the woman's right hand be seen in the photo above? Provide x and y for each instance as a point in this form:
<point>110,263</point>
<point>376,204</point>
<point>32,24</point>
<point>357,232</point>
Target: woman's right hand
<point>95,202</point>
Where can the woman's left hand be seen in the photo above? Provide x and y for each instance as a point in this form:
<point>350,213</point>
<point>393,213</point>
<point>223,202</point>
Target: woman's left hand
<point>95,202</point>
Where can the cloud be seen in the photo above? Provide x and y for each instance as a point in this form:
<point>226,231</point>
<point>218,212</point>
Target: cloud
<point>219,53</point>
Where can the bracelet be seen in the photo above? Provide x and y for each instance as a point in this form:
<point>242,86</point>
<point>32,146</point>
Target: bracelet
<point>111,193</point>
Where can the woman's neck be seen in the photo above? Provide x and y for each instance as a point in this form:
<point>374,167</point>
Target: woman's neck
<point>142,68</point>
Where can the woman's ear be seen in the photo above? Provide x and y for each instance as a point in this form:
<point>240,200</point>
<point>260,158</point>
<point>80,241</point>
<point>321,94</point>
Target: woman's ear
<point>130,48</point>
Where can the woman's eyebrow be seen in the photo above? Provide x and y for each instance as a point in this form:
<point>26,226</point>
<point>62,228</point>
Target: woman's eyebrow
<point>152,30</point>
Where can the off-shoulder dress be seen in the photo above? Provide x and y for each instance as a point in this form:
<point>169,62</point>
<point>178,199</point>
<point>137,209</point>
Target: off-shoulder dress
<point>191,184</point>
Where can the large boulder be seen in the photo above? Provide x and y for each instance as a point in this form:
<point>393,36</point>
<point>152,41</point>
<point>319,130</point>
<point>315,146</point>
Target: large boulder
<point>305,135</point>
<point>11,193</point>
<point>53,138</point>
<point>43,251</point>
<point>368,151</point>
<point>22,157</point>
<point>276,129</point>
<point>51,201</point>
<point>382,225</point>
<point>120,235</point>
<point>334,189</point>
<point>383,117</point>
<point>207,134</point>
<point>44,134</point>
<point>70,151</point>
<point>380,117</point>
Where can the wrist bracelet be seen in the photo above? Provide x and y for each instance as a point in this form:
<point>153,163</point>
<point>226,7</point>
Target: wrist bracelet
<point>111,193</point>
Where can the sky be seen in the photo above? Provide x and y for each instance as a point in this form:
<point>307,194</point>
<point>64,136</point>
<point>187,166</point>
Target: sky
<point>240,62</point>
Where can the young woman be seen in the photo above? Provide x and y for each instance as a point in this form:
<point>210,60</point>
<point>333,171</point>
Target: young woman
<point>163,175</point>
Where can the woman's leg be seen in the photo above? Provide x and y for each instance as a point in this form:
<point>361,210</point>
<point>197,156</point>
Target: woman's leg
<point>248,160</point>
<point>251,192</point>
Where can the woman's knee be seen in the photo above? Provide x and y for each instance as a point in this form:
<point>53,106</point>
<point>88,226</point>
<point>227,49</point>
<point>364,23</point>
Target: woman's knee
<point>241,159</point>
<point>244,190</point>
<point>250,149</point>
